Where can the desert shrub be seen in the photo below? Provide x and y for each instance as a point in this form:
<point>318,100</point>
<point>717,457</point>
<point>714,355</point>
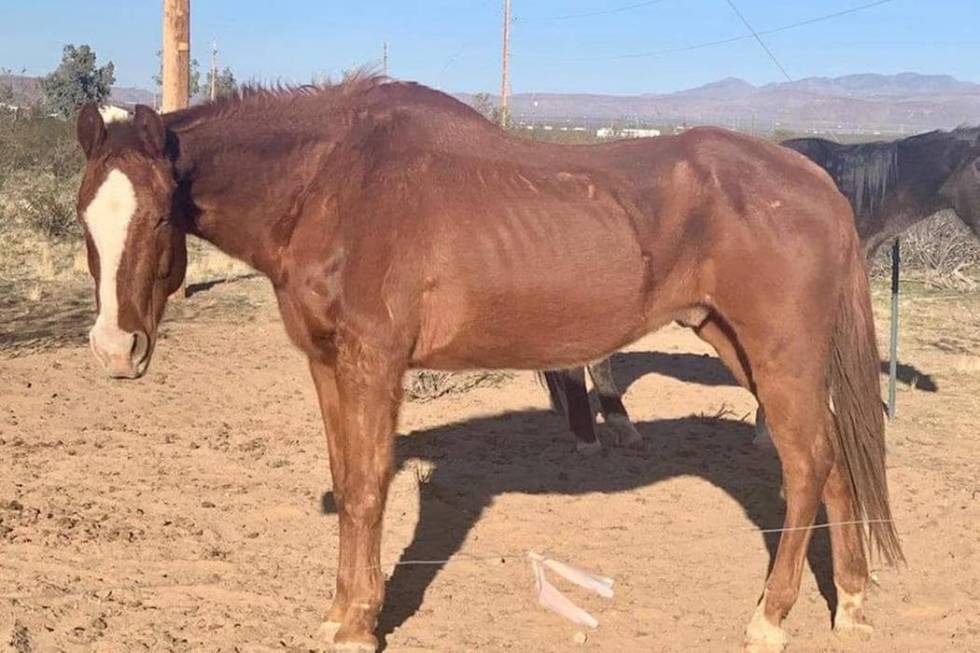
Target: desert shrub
<point>942,250</point>
<point>40,166</point>
<point>426,385</point>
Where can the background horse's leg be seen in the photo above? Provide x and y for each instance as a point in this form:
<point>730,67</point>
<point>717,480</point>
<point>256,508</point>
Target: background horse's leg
<point>568,393</point>
<point>611,403</point>
<point>367,390</point>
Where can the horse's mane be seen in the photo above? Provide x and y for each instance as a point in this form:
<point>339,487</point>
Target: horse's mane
<point>866,172</point>
<point>305,106</point>
<point>256,100</point>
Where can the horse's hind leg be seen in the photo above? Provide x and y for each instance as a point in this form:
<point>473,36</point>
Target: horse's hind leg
<point>611,404</point>
<point>567,388</point>
<point>850,563</point>
<point>847,545</point>
<point>791,385</point>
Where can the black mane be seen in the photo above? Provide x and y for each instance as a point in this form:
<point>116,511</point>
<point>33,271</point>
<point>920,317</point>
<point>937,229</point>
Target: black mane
<point>866,172</point>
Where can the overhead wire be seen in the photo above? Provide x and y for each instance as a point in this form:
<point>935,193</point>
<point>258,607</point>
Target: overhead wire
<point>709,44</point>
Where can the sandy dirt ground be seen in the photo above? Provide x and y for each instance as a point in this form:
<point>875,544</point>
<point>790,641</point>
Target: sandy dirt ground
<point>192,510</point>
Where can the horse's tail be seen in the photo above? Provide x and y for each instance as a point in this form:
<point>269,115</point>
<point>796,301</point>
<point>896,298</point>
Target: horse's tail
<point>859,428</point>
<point>556,391</point>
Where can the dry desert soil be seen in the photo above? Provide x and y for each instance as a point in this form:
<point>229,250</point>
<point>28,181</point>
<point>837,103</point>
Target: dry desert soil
<point>191,510</point>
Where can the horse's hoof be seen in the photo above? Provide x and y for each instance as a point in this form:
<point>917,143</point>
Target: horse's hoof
<point>849,619</point>
<point>327,630</point>
<point>354,647</point>
<point>588,448</point>
<point>762,636</point>
<point>860,630</point>
<point>626,433</point>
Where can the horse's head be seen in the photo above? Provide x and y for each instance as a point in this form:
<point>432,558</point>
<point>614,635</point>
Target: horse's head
<point>137,254</point>
<point>962,188</point>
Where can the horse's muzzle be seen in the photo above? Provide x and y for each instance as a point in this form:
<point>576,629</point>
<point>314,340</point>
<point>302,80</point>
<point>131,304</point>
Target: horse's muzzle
<point>123,355</point>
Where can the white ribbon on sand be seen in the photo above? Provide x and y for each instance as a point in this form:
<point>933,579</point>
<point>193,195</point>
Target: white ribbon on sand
<point>550,598</point>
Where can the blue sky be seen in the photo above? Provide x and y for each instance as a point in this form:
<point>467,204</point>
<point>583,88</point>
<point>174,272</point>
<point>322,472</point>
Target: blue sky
<point>455,45</point>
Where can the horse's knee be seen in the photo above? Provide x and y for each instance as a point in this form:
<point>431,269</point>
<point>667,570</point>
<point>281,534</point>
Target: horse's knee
<point>361,506</point>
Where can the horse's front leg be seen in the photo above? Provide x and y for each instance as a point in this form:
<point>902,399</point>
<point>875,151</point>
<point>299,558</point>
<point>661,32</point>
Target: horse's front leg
<point>359,396</point>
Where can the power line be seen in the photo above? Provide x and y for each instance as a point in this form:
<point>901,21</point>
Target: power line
<point>731,39</point>
<point>760,41</point>
<point>588,14</point>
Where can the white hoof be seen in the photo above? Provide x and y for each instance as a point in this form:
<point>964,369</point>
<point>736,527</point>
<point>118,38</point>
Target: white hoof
<point>588,448</point>
<point>762,636</point>
<point>626,433</point>
<point>850,628</point>
<point>327,630</point>
<point>354,647</point>
<point>849,617</point>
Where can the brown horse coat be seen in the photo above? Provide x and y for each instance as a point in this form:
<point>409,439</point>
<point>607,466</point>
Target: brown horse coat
<point>400,229</point>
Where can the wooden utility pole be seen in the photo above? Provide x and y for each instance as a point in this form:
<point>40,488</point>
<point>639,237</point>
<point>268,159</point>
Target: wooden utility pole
<point>176,54</point>
<point>384,59</point>
<point>505,74</point>
<point>213,81</point>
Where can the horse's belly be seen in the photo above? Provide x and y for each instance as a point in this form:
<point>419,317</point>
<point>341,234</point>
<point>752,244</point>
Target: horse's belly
<point>545,312</point>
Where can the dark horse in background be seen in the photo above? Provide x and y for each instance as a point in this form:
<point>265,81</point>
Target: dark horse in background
<point>891,186</point>
<point>401,229</point>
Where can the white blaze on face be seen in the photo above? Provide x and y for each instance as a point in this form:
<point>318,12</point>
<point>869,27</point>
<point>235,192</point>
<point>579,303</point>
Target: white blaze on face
<point>107,218</point>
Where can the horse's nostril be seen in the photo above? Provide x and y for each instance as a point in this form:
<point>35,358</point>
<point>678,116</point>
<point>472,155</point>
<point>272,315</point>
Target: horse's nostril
<point>141,345</point>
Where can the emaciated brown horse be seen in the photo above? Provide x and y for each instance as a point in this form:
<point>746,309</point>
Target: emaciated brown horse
<point>892,186</point>
<point>400,229</point>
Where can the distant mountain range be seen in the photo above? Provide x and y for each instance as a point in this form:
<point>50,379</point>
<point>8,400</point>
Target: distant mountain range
<point>27,90</point>
<point>907,102</point>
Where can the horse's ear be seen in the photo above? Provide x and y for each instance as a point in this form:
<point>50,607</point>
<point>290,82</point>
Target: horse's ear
<point>90,129</point>
<point>151,130</point>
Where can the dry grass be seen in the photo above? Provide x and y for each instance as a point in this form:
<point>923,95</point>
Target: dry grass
<point>426,385</point>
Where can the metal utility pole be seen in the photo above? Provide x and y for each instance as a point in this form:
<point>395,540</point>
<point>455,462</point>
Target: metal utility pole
<point>176,54</point>
<point>505,75</point>
<point>384,58</point>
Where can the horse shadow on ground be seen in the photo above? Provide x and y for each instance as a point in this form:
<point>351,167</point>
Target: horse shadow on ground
<point>194,288</point>
<point>708,370</point>
<point>57,317</point>
<point>530,452</point>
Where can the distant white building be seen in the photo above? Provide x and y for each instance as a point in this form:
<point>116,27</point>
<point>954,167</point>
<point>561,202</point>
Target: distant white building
<point>640,133</point>
<point>629,132</point>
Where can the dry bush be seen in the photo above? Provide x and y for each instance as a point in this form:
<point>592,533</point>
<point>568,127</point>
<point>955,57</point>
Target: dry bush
<point>941,249</point>
<point>40,165</point>
<point>426,385</point>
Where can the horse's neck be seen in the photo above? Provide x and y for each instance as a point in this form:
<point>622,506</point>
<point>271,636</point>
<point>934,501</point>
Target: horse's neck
<point>906,203</point>
<point>898,216</point>
<point>236,196</point>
